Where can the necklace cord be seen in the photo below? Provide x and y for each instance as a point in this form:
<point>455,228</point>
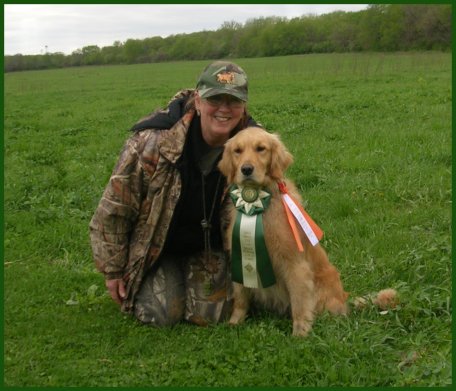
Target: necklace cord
<point>206,222</point>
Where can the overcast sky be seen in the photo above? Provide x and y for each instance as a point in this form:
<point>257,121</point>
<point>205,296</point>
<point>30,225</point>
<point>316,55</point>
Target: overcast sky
<point>35,28</point>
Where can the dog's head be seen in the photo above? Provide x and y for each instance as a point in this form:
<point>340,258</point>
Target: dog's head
<point>256,156</point>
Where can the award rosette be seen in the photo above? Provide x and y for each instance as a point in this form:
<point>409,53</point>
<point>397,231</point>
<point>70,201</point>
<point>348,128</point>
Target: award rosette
<point>250,262</point>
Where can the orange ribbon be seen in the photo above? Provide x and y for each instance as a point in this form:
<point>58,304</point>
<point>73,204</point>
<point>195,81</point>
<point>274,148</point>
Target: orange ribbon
<point>291,220</point>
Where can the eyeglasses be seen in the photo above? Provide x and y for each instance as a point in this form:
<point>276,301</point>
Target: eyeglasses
<point>229,100</point>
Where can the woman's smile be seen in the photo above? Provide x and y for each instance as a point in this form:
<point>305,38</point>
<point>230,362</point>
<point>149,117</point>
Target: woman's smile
<point>219,116</point>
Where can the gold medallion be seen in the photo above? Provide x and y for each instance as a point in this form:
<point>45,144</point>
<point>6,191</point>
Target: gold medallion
<point>249,194</point>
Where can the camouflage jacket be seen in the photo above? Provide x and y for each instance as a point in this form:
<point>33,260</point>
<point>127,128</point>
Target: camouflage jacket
<point>129,227</point>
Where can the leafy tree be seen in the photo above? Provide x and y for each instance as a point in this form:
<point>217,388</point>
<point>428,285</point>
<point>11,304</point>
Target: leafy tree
<point>113,54</point>
<point>91,55</point>
<point>134,49</point>
<point>392,29</point>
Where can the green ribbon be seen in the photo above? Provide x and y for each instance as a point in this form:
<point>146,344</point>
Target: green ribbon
<point>250,261</point>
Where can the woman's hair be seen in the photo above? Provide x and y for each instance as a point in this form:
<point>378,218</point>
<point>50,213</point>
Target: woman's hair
<point>190,102</point>
<point>190,105</point>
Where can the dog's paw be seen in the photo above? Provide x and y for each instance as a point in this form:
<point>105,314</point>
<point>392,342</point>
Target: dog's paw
<point>301,328</point>
<point>238,316</point>
<point>337,307</point>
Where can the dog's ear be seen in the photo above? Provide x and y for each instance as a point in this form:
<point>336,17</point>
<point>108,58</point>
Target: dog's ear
<point>280,158</point>
<point>226,164</point>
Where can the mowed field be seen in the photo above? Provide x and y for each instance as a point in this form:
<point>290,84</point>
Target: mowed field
<point>371,137</point>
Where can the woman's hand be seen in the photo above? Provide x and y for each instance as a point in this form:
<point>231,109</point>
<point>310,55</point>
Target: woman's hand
<point>116,289</point>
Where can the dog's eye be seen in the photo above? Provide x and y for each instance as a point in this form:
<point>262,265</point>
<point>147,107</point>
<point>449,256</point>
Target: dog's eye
<point>237,151</point>
<point>260,148</point>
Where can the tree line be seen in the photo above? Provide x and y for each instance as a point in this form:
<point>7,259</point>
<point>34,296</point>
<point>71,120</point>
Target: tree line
<point>381,27</point>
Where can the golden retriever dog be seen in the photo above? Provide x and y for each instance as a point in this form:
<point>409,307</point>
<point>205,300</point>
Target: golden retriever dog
<point>306,282</point>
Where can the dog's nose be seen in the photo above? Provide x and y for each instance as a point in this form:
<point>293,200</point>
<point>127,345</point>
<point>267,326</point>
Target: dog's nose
<point>247,169</point>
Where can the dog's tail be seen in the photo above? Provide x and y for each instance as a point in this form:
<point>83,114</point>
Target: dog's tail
<point>384,300</point>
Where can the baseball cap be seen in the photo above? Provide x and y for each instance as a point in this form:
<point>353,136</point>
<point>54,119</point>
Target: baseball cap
<point>223,77</point>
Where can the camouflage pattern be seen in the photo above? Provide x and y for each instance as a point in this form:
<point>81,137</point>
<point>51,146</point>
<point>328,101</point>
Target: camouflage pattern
<point>222,77</point>
<point>161,297</point>
<point>194,288</point>
<point>208,289</point>
<point>129,227</point>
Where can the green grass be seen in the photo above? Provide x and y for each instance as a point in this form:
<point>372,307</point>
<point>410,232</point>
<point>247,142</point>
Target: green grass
<point>371,136</point>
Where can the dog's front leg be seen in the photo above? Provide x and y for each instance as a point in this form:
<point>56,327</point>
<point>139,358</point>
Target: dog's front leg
<point>302,298</point>
<point>241,303</point>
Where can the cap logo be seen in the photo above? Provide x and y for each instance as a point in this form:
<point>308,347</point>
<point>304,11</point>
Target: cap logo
<point>225,77</point>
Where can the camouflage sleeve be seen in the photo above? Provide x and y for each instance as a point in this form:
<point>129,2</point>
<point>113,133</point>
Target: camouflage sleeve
<point>117,212</point>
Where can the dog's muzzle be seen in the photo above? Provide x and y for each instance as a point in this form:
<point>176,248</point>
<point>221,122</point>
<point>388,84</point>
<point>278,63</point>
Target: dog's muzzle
<point>247,169</point>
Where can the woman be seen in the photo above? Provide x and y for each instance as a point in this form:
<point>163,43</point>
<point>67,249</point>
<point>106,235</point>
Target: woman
<point>156,234</point>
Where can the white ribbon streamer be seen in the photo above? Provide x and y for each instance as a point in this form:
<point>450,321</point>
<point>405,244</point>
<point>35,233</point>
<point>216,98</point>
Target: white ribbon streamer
<point>301,220</point>
<point>247,241</point>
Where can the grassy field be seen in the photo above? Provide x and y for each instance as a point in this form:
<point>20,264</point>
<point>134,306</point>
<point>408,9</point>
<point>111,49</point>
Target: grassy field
<point>371,136</point>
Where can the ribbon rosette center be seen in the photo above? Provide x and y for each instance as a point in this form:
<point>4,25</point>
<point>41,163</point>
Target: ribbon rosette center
<point>250,200</point>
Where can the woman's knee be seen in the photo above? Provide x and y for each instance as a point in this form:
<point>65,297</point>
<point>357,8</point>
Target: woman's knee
<point>161,298</point>
<point>208,289</point>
